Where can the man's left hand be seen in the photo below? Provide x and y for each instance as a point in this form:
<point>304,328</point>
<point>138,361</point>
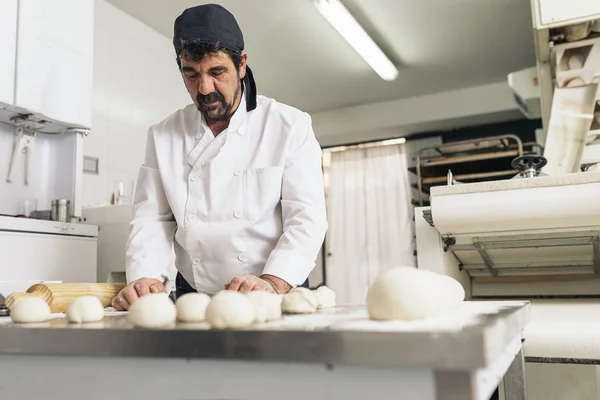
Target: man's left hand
<point>249,283</point>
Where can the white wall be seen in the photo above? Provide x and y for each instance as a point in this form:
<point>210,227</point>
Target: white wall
<point>48,178</point>
<point>136,84</point>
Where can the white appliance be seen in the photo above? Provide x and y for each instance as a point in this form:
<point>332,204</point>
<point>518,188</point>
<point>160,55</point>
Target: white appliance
<point>33,251</point>
<point>537,238</point>
<point>563,87</point>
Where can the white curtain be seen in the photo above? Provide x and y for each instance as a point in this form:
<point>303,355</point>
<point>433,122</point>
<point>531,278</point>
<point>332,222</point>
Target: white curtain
<point>370,218</point>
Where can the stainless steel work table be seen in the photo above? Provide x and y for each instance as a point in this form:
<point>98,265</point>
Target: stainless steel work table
<point>336,353</point>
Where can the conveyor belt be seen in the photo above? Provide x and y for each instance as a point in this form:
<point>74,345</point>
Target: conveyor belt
<point>563,332</point>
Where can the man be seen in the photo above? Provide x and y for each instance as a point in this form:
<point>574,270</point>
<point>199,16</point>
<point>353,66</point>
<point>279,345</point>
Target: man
<point>235,179</point>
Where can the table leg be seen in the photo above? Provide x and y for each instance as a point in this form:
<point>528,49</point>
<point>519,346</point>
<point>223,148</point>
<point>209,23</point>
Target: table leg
<point>514,379</point>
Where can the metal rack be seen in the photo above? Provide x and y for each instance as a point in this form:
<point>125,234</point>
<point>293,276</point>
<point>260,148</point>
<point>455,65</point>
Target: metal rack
<point>474,160</point>
<point>487,270</point>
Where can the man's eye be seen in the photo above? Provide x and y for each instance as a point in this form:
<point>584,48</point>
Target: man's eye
<point>194,76</point>
<point>217,73</point>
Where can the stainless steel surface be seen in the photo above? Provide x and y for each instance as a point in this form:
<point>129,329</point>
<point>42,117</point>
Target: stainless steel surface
<point>342,336</point>
<point>514,380</point>
<point>61,210</point>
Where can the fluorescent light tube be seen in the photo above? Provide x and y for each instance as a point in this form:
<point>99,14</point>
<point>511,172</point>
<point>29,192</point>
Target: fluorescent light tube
<point>355,35</point>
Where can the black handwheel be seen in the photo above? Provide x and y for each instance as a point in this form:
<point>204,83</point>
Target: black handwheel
<point>529,165</point>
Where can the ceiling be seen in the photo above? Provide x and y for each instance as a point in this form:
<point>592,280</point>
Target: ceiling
<point>437,45</point>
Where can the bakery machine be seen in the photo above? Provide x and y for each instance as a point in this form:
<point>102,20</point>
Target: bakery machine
<point>536,233</point>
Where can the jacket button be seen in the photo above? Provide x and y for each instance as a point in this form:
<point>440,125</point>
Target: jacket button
<point>243,257</point>
<point>193,177</point>
<point>191,217</point>
<point>237,214</point>
<point>196,261</point>
<point>237,173</point>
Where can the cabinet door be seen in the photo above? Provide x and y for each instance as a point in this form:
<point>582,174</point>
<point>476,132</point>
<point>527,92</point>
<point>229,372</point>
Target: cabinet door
<point>8,43</point>
<point>55,47</point>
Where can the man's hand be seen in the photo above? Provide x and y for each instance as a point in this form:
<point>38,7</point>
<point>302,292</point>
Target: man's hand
<point>280,286</point>
<point>249,283</point>
<point>136,289</point>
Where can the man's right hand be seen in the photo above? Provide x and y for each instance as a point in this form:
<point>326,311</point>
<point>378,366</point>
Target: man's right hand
<point>136,289</point>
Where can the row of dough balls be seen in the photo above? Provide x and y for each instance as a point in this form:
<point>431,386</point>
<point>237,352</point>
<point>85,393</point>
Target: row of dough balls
<point>227,309</point>
<point>33,309</point>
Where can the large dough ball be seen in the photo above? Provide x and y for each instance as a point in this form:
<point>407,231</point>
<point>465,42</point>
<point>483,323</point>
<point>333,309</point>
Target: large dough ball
<point>85,309</point>
<point>299,301</point>
<point>325,297</point>
<point>29,309</point>
<point>191,307</point>
<point>153,311</point>
<point>267,306</point>
<point>229,309</point>
<point>408,293</point>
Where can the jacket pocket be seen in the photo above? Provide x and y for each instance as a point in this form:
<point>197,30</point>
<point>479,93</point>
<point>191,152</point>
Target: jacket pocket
<point>262,189</point>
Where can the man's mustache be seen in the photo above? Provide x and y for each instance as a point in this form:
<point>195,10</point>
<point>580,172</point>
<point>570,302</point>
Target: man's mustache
<point>210,98</point>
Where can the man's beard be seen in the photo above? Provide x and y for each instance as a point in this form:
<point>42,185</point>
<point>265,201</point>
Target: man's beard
<point>219,111</point>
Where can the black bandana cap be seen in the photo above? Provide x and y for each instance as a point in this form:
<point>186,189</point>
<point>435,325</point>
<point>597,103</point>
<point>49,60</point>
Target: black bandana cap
<point>213,24</point>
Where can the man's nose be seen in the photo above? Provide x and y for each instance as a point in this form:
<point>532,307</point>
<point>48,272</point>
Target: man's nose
<point>206,85</point>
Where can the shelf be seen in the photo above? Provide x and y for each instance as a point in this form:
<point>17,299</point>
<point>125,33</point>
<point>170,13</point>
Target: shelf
<point>467,164</point>
<point>470,177</point>
<point>469,158</point>
<point>475,160</point>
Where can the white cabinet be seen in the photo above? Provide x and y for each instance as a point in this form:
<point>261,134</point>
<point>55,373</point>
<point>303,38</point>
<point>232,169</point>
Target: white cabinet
<point>33,250</point>
<point>54,65</point>
<point>8,44</point>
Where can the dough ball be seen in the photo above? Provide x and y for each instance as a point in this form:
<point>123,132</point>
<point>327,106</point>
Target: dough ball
<point>299,301</point>
<point>325,297</point>
<point>153,311</point>
<point>408,293</point>
<point>85,309</point>
<point>191,307</point>
<point>229,309</point>
<point>30,309</point>
<point>267,306</point>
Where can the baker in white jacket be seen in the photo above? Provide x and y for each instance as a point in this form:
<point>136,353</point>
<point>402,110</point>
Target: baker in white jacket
<point>233,181</point>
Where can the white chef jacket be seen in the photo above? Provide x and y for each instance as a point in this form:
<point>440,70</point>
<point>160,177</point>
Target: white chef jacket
<point>249,201</point>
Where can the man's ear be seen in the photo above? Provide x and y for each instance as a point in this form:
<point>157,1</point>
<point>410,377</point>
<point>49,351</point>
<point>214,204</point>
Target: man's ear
<point>243,63</point>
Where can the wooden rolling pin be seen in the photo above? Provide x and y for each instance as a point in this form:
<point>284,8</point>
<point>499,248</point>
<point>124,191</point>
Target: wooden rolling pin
<point>60,295</point>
